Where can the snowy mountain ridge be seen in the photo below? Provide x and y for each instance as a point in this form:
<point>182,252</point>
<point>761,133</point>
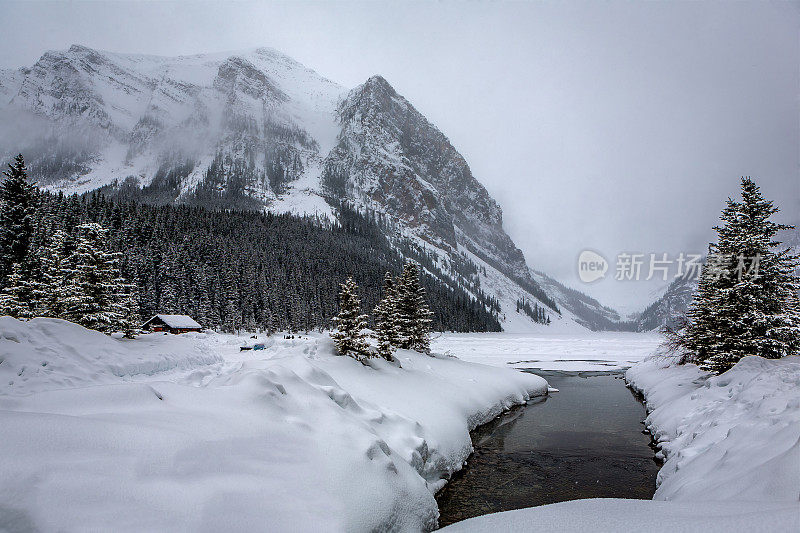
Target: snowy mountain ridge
<point>257,129</point>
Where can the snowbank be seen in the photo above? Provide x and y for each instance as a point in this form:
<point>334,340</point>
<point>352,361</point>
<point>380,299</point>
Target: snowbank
<point>48,353</point>
<point>187,433</point>
<point>580,516</point>
<point>730,437</point>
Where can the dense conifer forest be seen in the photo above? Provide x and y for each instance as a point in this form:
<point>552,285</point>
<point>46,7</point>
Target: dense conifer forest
<point>233,269</point>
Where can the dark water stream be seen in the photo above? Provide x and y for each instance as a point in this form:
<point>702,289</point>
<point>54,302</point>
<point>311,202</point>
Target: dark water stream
<point>585,441</point>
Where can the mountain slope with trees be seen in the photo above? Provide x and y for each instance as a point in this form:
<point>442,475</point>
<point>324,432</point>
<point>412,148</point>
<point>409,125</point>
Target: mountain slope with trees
<point>257,130</point>
<point>228,269</point>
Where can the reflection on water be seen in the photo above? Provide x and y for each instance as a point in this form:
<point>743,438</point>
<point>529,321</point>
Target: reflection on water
<point>585,441</point>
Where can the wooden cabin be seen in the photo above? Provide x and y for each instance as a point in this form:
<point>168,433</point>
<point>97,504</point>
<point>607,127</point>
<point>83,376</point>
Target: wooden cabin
<point>171,324</point>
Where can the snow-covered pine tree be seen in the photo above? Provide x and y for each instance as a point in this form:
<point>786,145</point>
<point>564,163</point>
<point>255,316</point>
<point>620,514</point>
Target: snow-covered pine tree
<point>95,294</point>
<point>260,245</point>
<point>692,337</point>
<point>17,204</point>
<point>18,296</point>
<point>747,299</point>
<point>169,273</point>
<point>385,318</point>
<point>204,309</point>
<point>413,317</point>
<point>128,308</point>
<point>348,336</point>
<point>55,268</point>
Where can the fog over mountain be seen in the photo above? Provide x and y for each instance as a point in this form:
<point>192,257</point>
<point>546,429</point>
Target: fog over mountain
<point>257,130</point>
<point>614,127</point>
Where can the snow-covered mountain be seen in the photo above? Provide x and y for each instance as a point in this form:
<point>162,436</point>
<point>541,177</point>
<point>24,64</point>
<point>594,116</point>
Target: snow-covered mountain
<point>258,129</point>
<point>670,307</point>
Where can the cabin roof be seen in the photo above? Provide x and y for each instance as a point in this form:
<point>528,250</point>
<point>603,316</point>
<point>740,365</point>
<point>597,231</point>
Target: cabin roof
<point>176,321</point>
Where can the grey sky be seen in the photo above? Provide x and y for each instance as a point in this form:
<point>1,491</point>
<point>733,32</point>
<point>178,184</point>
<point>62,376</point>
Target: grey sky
<point>612,126</point>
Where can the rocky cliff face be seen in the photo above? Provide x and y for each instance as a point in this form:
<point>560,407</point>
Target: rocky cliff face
<point>259,130</point>
<point>104,117</point>
<point>389,156</point>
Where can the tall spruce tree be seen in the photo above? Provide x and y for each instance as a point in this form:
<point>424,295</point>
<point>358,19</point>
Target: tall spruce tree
<point>747,299</point>
<point>17,205</point>
<point>55,270</point>
<point>413,317</point>
<point>350,323</point>
<point>17,298</point>
<point>95,295</point>
<point>385,320</point>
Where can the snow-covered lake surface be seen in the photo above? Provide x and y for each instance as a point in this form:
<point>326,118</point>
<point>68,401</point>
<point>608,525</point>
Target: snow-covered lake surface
<point>584,350</point>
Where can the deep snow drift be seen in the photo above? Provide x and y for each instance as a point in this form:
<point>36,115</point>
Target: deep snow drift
<point>622,516</point>
<point>187,433</point>
<point>730,437</point>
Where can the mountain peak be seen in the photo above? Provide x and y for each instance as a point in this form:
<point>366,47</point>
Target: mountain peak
<point>256,129</point>
<point>79,48</point>
<point>238,73</point>
<point>90,54</point>
<point>378,81</point>
<point>378,86</point>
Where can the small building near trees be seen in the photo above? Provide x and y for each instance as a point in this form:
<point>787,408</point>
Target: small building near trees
<point>171,324</point>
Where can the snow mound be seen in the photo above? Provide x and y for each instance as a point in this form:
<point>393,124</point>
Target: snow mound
<point>580,516</point>
<point>48,353</point>
<point>735,436</point>
<point>290,438</point>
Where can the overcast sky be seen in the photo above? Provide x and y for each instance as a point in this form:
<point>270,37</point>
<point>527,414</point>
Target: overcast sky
<point>610,126</point>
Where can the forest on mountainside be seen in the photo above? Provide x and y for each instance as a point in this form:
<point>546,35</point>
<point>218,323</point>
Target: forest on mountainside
<point>232,269</point>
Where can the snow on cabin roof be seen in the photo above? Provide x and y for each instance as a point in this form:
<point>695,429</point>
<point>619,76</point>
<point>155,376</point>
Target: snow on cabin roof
<point>176,321</point>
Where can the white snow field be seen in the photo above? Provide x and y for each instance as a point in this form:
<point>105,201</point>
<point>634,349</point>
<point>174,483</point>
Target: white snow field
<point>187,433</point>
<point>578,350</point>
<point>616,515</point>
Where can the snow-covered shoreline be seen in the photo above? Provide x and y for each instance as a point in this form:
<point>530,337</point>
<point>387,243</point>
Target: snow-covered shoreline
<point>735,436</point>
<point>189,434</point>
<point>179,433</point>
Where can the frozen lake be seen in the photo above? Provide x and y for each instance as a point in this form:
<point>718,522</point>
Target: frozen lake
<point>581,350</point>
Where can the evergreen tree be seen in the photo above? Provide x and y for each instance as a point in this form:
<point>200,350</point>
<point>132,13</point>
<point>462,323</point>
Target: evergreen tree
<point>348,336</point>
<point>127,307</point>
<point>413,318</point>
<point>55,268</point>
<point>385,320</point>
<point>747,299</point>
<point>17,298</point>
<point>95,295</point>
<point>17,205</point>
<point>269,270</point>
<point>536,312</point>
